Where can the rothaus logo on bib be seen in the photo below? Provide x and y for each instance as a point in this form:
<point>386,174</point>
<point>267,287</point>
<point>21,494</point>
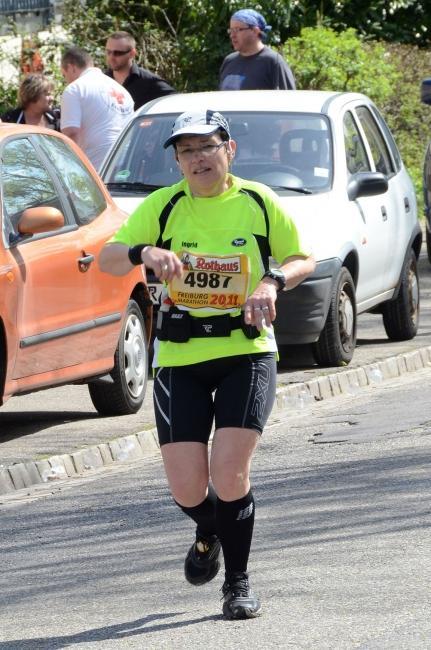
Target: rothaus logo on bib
<point>211,282</point>
<point>230,265</point>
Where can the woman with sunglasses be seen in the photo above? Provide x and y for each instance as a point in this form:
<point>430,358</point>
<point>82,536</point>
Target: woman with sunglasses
<point>253,65</point>
<point>215,351</point>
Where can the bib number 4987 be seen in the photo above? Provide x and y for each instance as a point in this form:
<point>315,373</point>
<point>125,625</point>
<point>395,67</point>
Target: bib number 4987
<point>202,280</point>
<point>211,282</point>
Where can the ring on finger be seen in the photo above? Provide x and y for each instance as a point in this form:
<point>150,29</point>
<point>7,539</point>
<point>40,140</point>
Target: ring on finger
<point>164,267</point>
<point>265,308</point>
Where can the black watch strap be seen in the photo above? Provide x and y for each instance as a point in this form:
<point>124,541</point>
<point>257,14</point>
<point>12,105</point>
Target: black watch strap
<point>278,276</point>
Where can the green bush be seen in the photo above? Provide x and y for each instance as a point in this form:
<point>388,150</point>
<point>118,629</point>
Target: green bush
<point>408,118</point>
<point>8,96</point>
<point>323,59</point>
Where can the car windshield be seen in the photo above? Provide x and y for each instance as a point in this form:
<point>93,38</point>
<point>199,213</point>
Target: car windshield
<point>287,151</point>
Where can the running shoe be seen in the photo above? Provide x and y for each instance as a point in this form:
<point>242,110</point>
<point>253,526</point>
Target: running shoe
<point>239,600</point>
<point>202,564</point>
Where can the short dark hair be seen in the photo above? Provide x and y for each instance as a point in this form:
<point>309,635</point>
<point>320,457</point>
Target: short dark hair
<point>128,37</point>
<point>76,56</point>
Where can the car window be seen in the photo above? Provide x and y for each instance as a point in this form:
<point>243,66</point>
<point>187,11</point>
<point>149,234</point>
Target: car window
<point>389,138</point>
<point>25,183</point>
<point>356,156</point>
<point>379,149</point>
<point>85,196</point>
<point>279,149</point>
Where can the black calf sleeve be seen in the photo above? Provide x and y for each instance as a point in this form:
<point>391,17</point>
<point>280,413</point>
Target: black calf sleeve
<point>235,520</point>
<point>203,514</point>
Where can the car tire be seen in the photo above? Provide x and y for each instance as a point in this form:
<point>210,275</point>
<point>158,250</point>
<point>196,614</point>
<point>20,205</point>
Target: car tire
<point>401,316</point>
<point>428,242</point>
<point>337,340</point>
<point>125,393</point>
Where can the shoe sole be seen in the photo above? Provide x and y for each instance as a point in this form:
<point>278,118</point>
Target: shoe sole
<point>213,568</point>
<point>198,582</point>
<point>240,612</point>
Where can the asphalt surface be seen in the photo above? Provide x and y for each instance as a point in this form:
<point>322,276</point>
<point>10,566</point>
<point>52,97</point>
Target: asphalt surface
<point>339,558</point>
<point>63,420</point>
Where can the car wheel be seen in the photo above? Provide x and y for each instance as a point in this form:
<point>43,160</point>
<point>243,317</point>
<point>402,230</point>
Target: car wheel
<point>125,393</point>
<point>428,241</point>
<point>337,340</point>
<point>401,316</point>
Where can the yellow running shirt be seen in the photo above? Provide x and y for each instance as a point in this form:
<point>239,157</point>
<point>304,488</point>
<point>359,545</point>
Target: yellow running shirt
<point>215,238</point>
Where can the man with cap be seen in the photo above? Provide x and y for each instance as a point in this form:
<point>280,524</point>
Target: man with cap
<point>209,238</point>
<point>253,66</point>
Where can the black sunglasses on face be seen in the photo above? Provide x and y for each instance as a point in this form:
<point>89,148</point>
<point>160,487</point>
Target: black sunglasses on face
<point>118,52</point>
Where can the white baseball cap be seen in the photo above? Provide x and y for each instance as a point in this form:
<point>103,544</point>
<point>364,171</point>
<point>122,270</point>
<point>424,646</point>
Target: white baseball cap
<point>202,123</point>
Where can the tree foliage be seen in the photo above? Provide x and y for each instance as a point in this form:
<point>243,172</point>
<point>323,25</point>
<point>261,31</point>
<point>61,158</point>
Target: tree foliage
<point>401,21</point>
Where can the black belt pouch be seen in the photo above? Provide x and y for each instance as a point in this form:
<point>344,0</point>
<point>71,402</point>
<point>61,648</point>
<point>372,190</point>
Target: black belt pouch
<point>174,325</point>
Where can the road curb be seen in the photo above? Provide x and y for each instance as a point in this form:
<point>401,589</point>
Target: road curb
<point>21,476</point>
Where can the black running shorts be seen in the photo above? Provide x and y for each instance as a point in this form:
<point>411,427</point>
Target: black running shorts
<point>235,391</point>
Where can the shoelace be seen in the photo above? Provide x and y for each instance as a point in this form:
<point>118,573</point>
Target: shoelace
<point>238,587</point>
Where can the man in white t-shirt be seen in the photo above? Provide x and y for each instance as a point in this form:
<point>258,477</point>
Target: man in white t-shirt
<point>94,107</point>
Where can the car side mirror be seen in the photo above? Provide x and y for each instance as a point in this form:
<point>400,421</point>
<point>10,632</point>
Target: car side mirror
<point>426,91</point>
<point>41,219</point>
<point>366,184</point>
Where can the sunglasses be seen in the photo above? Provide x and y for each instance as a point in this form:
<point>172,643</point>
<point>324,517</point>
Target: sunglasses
<point>118,52</point>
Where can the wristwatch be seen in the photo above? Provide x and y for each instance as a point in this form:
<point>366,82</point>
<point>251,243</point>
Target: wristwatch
<point>278,276</point>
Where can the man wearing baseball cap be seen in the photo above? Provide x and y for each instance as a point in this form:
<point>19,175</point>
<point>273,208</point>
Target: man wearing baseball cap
<point>209,238</point>
<point>253,65</point>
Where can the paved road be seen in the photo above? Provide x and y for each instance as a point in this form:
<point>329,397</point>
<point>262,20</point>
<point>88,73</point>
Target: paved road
<point>63,420</point>
<point>340,556</point>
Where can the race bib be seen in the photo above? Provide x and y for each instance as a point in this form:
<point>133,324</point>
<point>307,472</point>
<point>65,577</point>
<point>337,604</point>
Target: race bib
<point>211,282</point>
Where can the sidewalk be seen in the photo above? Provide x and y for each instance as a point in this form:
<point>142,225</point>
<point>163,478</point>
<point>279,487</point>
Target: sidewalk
<point>144,443</point>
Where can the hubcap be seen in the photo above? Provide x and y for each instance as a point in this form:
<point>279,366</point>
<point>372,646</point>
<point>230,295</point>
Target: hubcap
<point>413,294</point>
<point>346,318</point>
<point>135,357</point>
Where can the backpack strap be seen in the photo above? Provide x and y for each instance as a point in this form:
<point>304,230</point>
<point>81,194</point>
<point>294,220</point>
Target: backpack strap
<point>164,216</point>
<point>262,240</point>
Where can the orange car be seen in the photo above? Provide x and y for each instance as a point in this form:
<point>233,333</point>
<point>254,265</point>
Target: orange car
<point>62,320</point>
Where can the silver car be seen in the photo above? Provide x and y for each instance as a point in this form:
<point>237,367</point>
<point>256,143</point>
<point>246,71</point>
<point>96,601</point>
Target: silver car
<point>335,165</point>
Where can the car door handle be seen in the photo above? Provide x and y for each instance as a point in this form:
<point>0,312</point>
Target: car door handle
<point>84,262</point>
<point>384,213</point>
<point>406,204</point>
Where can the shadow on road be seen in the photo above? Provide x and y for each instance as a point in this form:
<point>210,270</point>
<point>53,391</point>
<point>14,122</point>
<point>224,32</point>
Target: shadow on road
<point>24,424</point>
<point>107,633</point>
